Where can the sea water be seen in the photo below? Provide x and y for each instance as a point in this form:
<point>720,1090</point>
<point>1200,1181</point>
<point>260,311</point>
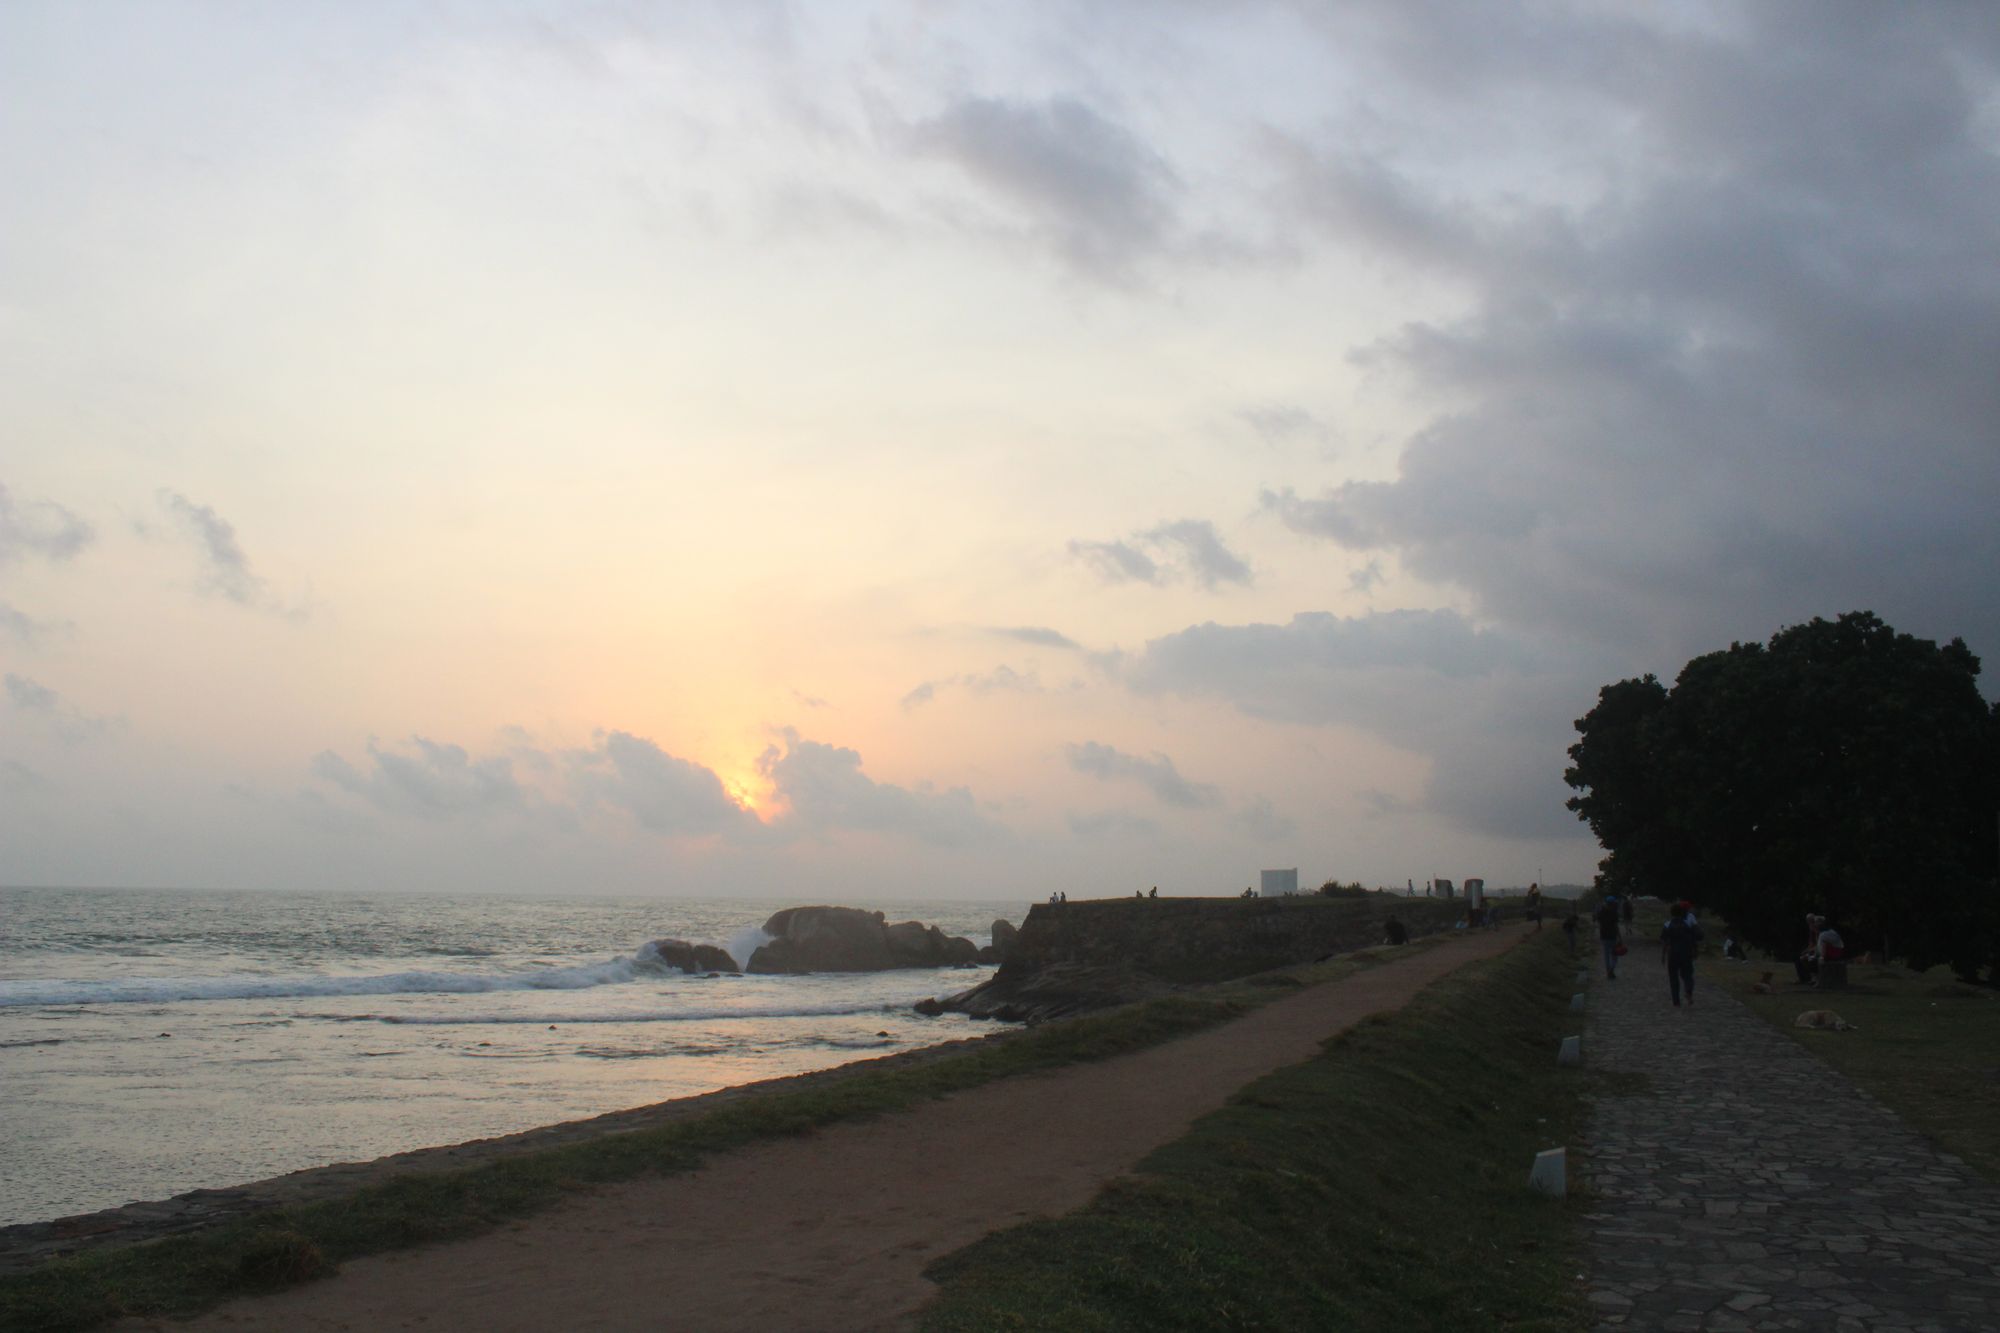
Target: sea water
<point>156,1041</point>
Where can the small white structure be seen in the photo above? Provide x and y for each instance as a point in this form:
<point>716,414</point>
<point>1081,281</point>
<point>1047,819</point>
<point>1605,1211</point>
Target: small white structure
<point>1475,893</point>
<point>1550,1173</point>
<point>1571,1052</point>
<point>1278,883</point>
<point>1576,1003</point>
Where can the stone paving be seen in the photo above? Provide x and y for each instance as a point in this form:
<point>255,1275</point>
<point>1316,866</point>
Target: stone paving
<point>1748,1186</point>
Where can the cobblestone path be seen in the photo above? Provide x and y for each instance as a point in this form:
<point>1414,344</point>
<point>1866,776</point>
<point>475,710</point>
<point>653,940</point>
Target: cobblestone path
<point>1749,1186</point>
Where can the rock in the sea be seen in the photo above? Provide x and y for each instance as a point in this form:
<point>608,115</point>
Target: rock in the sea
<point>845,939</point>
<point>698,958</point>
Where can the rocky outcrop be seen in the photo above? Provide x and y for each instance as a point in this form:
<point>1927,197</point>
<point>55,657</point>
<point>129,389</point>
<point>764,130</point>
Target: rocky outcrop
<point>1070,958</point>
<point>693,957</point>
<point>1004,939</point>
<point>1020,994</point>
<point>845,939</point>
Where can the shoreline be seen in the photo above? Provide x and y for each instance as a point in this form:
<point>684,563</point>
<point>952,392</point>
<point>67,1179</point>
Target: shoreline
<point>28,1245</point>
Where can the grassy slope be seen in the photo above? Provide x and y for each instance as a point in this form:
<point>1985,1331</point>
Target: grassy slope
<point>187,1274</point>
<point>1381,1185</point>
<point>1926,1045</point>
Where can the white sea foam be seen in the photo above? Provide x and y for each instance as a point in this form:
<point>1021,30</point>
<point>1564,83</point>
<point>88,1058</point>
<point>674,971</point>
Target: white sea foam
<point>746,942</point>
<point>162,990</point>
<point>705,1015</point>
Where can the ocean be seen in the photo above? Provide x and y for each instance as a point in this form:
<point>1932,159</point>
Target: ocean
<point>156,1041</point>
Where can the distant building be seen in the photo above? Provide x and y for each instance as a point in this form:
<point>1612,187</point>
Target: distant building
<point>1279,883</point>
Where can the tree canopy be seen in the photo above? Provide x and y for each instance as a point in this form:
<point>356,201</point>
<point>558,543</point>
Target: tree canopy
<point>1842,768</point>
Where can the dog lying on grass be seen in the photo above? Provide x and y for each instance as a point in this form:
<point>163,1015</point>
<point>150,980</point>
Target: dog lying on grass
<point>1823,1018</point>
<point>1763,984</point>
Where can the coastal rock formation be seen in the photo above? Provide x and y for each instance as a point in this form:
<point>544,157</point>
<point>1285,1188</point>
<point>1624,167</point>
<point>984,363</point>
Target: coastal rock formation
<point>845,939</point>
<point>693,957</point>
<point>1004,939</point>
<point>1020,994</point>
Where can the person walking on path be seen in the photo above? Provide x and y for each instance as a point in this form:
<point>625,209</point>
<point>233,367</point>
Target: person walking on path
<point>1570,928</point>
<point>1678,940</point>
<point>1607,935</point>
<point>1535,904</point>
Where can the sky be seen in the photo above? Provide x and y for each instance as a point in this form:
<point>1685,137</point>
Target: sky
<point>844,450</point>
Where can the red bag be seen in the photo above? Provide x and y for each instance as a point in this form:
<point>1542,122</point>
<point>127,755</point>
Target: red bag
<point>1618,949</point>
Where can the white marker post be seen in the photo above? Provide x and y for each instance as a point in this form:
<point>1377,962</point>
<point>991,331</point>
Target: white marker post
<point>1571,1052</point>
<point>1550,1174</point>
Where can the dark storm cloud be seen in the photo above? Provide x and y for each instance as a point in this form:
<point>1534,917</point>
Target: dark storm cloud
<point>1097,194</point>
<point>1750,381</point>
<point>1157,774</point>
<point>1491,710</point>
<point>39,528</point>
<point>1185,547</point>
<point>826,792</point>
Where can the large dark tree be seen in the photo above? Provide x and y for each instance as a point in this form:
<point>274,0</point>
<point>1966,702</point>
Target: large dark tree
<point>1843,768</point>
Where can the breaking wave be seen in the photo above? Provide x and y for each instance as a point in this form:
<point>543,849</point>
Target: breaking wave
<point>159,990</point>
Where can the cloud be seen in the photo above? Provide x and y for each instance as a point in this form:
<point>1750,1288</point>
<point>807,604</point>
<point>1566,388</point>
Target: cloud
<point>1002,679</point>
<point>1202,552</point>
<point>664,793</point>
<point>21,627</point>
<point>1281,423</point>
<point>1037,636</point>
<point>1088,187</point>
<point>39,528</point>
<point>31,696</point>
<point>46,705</point>
<point>1113,824</point>
<point>1117,562</point>
<point>1184,547</point>
<point>1157,775</point>
<point>826,792</point>
<point>225,568</point>
<point>1262,821</point>
<point>434,781</point>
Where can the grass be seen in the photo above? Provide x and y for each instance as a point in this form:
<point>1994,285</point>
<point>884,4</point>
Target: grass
<point>185,1275</point>
<point>1925,1045</point>
<point>1380,1185</point>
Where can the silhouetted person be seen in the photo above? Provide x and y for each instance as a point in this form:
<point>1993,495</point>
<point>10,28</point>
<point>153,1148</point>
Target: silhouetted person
<point>1607,936</point>
<point>1678,939</point>
<point>1395,932</point>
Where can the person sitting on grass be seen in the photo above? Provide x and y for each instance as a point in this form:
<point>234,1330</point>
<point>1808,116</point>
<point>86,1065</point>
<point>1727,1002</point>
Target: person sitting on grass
<point>1395,932</point>
<point>1807,965</point>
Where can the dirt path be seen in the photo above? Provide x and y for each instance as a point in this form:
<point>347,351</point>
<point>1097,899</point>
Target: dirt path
<point>832,1231</point>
